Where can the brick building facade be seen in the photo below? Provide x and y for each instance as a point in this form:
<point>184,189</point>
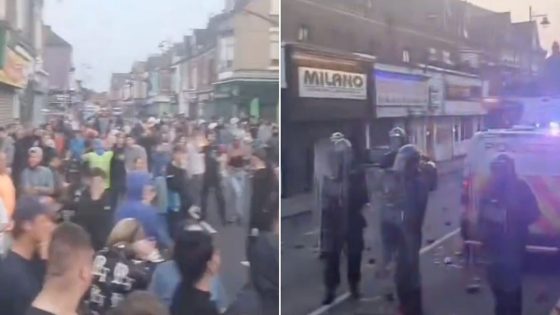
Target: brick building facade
<point>444,57</point>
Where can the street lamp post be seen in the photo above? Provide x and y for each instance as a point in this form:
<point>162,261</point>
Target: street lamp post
<point>532,17</point>
<point>544,23</point>
<point>69,107</point>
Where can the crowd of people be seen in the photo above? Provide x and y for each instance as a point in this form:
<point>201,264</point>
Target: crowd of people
<point>111,217</point>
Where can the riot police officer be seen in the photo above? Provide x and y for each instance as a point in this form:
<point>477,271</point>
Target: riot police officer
<point>352,239</point>
<point>507,208</point>
<point>397,138</point>
<point>341,196</point>
<point>404,200</point>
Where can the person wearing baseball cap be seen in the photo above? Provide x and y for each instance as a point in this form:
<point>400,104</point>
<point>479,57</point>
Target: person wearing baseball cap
<point>22,270</point>
<point>37,180</point>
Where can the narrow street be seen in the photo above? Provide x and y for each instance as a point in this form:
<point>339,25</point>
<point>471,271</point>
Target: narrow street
<point>444,285</point>
<point>230,240</point>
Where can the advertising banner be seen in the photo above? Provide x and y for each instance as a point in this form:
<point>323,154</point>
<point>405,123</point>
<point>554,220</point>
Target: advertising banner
<point>16,69</point>
<point>455,92</point>
<point>396,89</point>
<point>323,83</point>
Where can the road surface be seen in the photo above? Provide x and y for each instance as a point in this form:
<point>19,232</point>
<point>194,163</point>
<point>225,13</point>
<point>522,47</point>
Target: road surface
<point>443,284</point>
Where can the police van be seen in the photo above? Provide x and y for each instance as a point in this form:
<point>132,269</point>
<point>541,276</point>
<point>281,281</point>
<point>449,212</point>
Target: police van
<point>534,146</point>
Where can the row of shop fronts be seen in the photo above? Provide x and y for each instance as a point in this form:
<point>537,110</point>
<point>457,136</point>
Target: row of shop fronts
<point>325,92</point>
<point>257,98</point>
<point>235,98</point>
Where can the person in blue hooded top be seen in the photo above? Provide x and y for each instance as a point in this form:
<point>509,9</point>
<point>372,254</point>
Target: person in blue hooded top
<point>141,192</point>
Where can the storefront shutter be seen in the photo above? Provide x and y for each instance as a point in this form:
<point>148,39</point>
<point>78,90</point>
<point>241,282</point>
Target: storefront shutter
<point>6,106</point>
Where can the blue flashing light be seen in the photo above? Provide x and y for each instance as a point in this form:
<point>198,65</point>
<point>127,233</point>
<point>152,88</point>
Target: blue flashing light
<point>554,128</point>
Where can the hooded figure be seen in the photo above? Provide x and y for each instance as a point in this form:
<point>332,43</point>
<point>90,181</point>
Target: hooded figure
<point>140,194</point>
<point>507,208</point>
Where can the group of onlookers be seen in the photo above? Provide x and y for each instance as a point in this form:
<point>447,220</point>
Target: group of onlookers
<point>108,211</point>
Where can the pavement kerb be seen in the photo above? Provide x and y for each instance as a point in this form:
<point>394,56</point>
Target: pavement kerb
<point>346,295</point>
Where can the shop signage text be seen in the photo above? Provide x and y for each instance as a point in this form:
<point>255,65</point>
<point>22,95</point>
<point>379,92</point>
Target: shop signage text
<point>395,89</point>
<point>463,92</point>
<point>323,83</point>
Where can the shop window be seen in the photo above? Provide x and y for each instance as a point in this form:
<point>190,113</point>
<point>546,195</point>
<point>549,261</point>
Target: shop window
<point>476,91</point>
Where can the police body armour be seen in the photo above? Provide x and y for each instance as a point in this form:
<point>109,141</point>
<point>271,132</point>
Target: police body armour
<point>393,197</point>
<point>492,217</point>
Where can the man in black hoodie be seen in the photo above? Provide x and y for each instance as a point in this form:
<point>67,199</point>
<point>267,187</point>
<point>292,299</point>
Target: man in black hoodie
<point>118,170</point>
<point>265,262</point>
<point>212,177</point>
<point>94,211</point>
<point>179,200</point>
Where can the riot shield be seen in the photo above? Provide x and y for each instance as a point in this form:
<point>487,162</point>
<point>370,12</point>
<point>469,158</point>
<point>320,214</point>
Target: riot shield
<point>332,164</point>
<point>382,252</point>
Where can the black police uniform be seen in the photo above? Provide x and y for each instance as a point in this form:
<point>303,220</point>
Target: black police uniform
<point>507,208</point>
<point>353,240</point>
<point>405,235</point>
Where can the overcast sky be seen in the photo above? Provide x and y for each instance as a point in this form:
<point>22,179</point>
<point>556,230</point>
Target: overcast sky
<point>520,12</point>
<point>108,35</point>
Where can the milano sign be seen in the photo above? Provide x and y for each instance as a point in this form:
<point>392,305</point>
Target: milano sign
<point>322,83</point>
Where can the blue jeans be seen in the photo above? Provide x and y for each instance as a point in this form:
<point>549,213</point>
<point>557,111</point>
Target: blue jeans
<point>237,186</point>
<point>162,198</point>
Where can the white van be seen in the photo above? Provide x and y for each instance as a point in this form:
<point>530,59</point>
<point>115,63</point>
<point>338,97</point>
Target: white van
<point>536,153</point>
